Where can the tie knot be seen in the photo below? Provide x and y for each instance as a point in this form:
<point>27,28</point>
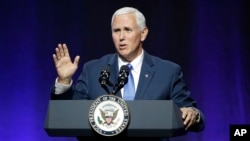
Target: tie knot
<point>130,66</point>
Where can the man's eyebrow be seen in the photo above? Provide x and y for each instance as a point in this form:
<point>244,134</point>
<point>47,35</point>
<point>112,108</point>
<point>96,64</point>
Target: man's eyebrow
<point>116,29</point>
<point>127,28</point>
<point>124,28</point>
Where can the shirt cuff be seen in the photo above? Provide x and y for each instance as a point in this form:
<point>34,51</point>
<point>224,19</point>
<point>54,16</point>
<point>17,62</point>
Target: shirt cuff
<point>61,88</point>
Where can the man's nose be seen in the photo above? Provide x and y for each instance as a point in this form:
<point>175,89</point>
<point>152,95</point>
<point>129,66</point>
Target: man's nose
<point>122,35</point>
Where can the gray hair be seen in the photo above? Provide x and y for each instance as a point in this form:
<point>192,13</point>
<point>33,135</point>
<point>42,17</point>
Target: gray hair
<point>140,19</point>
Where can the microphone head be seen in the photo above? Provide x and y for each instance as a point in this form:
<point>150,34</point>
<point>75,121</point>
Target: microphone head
<point>104,78</point>
<point>104,75</point>
<point>123,75</point>
<point>124,69</point>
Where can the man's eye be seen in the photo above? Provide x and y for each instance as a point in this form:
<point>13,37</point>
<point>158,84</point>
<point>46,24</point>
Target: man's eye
<point>116,30</point>
<point>129,30</point>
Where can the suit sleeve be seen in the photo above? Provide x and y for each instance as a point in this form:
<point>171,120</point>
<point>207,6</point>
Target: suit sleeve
<point>179,91</point>
<point>182,97</point>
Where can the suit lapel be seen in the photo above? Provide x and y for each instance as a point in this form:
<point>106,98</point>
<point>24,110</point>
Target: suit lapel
<point>146,75</point>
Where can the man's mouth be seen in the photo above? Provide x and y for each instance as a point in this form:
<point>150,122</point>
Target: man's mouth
<point>122,46</point>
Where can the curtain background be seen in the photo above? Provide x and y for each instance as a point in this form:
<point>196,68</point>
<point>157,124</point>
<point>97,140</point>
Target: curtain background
<point>209,38</point>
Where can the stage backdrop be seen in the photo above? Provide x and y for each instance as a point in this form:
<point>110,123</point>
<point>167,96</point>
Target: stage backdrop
<point>208,38</point>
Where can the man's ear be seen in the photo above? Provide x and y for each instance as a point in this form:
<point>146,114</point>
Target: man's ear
<point>144,34</point>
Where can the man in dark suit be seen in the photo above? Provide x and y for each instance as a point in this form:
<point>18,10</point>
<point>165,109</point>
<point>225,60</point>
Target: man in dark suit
<point>154,78</point>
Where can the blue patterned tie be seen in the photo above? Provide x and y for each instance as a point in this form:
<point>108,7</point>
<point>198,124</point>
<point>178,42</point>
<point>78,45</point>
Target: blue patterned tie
<point>129,88</point>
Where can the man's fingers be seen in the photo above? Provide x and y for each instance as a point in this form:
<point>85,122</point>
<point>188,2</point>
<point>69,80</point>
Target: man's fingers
<point>55,58</point>
<point>184,114</point>
<point>65,50</point>
<point>189,116</point>
<point>61,50</point>
<point>190,120</point>
<point>76,61</point>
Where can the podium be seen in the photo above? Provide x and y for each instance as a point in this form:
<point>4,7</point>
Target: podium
<point>148,118</point>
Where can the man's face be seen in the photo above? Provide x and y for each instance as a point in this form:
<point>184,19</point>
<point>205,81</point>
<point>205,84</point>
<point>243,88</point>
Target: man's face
<point>127,36</point>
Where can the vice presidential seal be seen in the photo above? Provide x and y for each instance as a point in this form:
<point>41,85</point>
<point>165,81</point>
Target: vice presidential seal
<point>109,115</point>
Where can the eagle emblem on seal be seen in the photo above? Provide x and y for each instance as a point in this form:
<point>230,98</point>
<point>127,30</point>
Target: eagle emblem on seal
<point>108,116</point>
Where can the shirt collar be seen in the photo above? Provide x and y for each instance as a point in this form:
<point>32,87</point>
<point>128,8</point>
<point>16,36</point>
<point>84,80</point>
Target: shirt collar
<point>136,63</point>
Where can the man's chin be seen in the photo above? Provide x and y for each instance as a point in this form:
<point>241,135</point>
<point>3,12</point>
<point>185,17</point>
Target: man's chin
<point>123,53</point>
<point>124,57</point>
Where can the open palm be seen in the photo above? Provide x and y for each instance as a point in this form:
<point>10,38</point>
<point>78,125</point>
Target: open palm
<point>64,66</point>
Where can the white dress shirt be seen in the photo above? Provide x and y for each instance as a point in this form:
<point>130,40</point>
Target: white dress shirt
<point>136,63</point>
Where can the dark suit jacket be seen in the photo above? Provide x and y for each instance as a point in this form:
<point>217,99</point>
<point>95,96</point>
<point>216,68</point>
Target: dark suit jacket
<point>159,80</point>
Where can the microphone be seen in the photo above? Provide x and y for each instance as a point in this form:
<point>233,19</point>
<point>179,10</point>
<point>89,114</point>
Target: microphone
<point>104,78</point>
<point>122,78</point>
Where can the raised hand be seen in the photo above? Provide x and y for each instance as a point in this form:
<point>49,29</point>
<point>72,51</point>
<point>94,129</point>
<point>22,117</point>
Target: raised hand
<point>64,66</point>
